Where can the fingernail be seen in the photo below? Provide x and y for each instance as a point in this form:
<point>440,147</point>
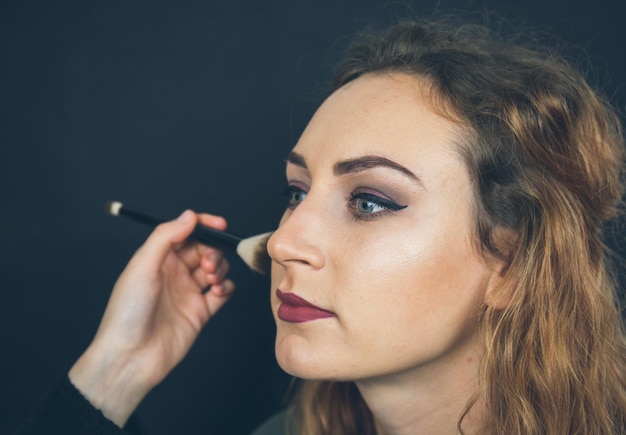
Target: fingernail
<point>185,216</point>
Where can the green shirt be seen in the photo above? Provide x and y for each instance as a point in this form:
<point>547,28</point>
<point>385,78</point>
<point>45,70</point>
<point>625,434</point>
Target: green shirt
<point>276,425</point>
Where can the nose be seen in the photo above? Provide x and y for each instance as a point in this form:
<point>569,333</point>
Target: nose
<point>299,238</point>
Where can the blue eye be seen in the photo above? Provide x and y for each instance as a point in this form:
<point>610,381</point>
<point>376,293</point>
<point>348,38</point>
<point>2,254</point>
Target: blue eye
<point>295,196</point>
<point>368,206</point>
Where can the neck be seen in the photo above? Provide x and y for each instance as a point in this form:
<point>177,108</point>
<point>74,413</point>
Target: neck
<point>426,399</point>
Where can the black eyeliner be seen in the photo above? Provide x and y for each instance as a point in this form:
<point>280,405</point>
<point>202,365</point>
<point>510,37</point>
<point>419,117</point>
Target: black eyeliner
<point>377,200</point>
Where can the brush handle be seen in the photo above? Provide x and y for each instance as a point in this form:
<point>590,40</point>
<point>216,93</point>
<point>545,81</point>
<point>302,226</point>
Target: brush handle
<point>202,234</point>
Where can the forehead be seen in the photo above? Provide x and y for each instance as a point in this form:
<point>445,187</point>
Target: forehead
<point>387,115</point>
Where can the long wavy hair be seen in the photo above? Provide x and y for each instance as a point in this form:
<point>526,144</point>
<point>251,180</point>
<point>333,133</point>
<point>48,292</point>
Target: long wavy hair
<point>545,152</point>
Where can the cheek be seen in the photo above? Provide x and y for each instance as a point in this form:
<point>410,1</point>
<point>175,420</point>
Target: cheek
<point>411,285</point>
<point>382,264</point>
<point>378,280</point>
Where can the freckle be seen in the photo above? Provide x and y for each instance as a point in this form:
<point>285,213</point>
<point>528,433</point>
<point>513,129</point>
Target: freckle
<point>470,359</point>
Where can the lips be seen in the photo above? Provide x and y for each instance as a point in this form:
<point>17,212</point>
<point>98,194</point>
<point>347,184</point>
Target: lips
<point>294,309</point>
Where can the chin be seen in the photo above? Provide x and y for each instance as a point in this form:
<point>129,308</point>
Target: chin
<point>305,363</point>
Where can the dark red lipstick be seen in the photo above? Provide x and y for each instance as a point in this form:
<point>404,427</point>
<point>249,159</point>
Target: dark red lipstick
<point>294,309</point>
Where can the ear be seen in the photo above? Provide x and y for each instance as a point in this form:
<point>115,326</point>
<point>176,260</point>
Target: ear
<point>499,291</point>
<point>500,288</point>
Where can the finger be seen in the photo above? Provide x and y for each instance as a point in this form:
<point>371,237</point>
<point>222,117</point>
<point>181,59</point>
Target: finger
<point>216,266</point>
<point>212,270</point>
<point>165,238</point>
<point>218,295</point>
<point>202,279</point>
<point>213,221</point>
<point>191,253</point>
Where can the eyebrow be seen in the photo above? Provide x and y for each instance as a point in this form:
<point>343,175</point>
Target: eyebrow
<point>296,159</point>
<point>356,165</point>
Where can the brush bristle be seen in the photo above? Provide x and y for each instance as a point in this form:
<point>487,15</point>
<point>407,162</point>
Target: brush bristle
<point>113,208</point>
<point>262,260</point>
<point>253,251</point>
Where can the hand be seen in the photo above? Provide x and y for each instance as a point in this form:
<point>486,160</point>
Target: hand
<point>157,309</point>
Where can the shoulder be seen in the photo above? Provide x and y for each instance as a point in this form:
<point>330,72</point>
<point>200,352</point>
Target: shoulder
<point>278,424</point>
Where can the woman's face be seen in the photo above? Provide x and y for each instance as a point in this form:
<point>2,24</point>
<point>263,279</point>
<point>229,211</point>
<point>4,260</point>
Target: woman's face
<point>374,268</point>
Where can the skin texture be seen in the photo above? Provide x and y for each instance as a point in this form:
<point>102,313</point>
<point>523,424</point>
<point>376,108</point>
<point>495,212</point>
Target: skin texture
<point>405,285</point>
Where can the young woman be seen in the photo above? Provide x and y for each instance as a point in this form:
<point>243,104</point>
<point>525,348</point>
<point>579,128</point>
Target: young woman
<point>440,266</point>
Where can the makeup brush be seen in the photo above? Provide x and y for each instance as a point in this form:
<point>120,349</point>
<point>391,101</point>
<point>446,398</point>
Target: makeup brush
<point>252,250</point>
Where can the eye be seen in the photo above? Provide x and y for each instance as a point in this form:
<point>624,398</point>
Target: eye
<point>295,196</point>
<point>369,206</point>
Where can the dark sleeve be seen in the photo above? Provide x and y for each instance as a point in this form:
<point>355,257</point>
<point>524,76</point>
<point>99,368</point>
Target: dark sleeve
<point>65,411</point>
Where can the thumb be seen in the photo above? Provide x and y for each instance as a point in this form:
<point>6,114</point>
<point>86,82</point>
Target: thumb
<point>163,240</point>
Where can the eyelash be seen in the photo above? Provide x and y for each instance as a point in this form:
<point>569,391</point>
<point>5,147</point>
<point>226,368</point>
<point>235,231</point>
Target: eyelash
<point>289,192</point>
<point>387,205</point>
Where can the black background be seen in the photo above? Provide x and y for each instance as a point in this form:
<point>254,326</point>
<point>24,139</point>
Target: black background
<point>167,106</point>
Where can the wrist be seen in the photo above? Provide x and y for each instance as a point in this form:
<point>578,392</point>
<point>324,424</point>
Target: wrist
<point>111,383</point>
